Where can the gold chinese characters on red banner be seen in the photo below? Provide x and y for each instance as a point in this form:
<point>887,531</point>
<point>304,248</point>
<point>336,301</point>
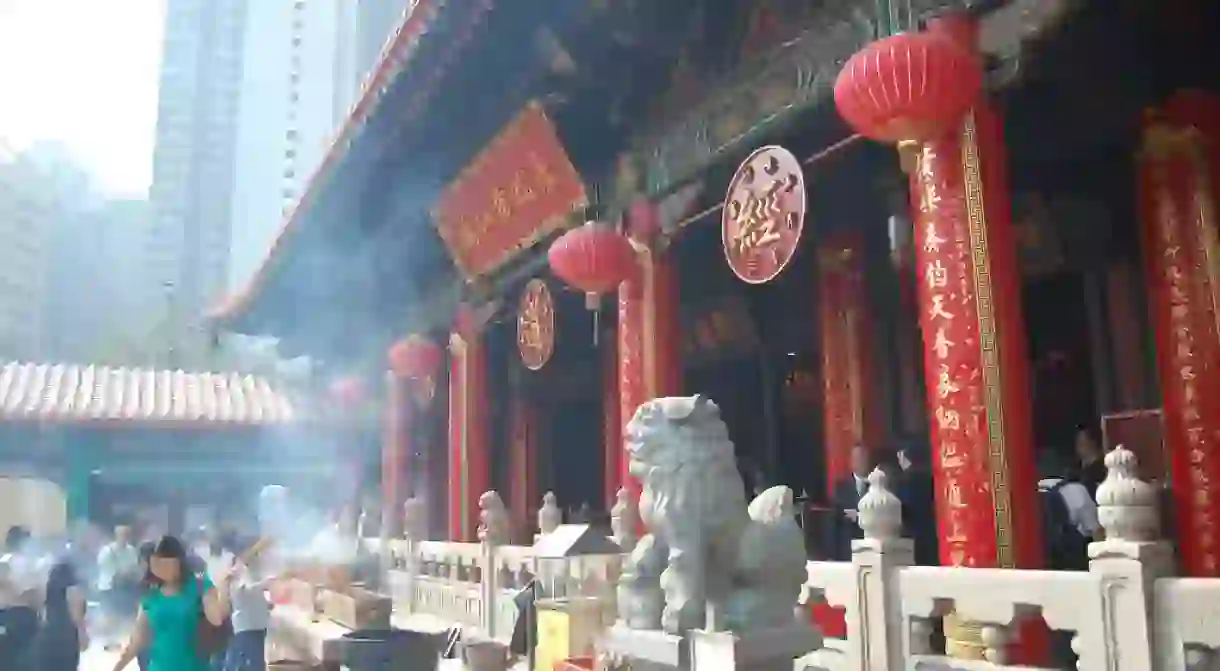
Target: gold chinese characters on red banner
<point>520,188</point>
<point>1182,259</point>
<point>536,325</point>
<point>764,214</point>
<point>949,320</point>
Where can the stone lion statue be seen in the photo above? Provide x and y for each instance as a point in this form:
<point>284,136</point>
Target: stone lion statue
<point>685,574</point>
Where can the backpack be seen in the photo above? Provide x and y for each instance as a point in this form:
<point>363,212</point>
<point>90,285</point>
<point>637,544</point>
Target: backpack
<point>1066,548</point>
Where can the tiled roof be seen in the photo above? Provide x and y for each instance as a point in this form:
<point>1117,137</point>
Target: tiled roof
<point>65,393</point>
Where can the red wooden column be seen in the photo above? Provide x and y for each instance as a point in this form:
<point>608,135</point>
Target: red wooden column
<point>469,476</point>
<point>975,360</point>
<point>524,497</point>
<point>396,451</point>
<point>1177,186</point>
<point>850,408</point>
<point>649,335</point>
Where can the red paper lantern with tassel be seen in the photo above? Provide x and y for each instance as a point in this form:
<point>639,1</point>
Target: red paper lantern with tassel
<point>417,360</point>
<point>908,89</point>
<point>594,258</point>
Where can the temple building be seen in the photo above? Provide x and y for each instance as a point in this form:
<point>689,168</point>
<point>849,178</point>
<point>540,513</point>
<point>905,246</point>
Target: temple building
<point>1038,256</point>
<point>148,447</point>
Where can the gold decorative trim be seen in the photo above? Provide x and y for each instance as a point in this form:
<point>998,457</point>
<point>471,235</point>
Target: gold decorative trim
<point>648,293</point>
<point>1205,222</point>
<point>989,343</point>
<point>855,376</point>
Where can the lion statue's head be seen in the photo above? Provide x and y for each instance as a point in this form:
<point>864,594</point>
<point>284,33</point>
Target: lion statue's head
<point>680,450</point>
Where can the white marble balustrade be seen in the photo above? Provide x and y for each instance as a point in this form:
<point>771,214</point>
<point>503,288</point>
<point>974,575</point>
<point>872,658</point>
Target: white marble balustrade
<point>1126,613</point>
<point>436,584</point>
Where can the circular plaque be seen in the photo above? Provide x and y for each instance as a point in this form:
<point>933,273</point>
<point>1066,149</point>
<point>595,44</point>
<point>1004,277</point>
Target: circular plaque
<point>764,214</point>
<point>536,325</point>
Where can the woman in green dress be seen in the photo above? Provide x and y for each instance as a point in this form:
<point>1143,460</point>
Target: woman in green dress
<point>168,622</point>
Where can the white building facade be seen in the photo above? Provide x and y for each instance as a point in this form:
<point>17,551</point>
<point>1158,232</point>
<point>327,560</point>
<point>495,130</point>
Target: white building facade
<point>304,65</point>
<point>193,163</point>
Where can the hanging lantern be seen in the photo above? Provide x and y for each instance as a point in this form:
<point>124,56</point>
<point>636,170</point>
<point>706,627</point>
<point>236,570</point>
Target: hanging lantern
<point>417,360</point>
<point>415,357</point>
<point>594,258</point>
<point>347,391</point>
<point>908,89</point>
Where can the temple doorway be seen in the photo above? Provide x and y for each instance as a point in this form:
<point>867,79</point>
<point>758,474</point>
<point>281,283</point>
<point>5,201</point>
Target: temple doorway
<point>546,421</point>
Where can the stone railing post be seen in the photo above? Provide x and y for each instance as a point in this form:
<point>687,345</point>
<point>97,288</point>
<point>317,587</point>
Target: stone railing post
<point>874,618</point>
<point>414,532</point>
<point>549,515</point>
<point>493,532</point>
<point>1129,561</point>
<point>625,520</point>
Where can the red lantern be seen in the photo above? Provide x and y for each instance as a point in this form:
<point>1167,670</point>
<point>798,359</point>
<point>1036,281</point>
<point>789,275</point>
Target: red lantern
<point>594,258</point>
<point>415,358</point>
<point>347,391</point>
<point>908,89</point>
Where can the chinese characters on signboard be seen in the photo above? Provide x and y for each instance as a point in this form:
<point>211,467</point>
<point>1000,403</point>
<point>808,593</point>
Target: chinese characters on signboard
<point>764,215</point>
<point>536,325</point>
<point>521,187</point>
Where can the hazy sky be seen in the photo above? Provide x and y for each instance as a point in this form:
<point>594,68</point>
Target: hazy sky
<point>84,72</point>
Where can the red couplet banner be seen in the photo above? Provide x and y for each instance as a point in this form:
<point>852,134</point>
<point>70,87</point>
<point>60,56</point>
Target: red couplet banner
<point>520,188</point>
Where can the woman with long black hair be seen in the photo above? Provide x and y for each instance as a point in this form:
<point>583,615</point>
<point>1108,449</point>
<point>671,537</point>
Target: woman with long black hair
<point>62,637</point>
<point>173,610</point>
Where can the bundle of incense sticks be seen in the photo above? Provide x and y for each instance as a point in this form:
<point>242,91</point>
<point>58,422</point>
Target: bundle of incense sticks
<point>255,550</point>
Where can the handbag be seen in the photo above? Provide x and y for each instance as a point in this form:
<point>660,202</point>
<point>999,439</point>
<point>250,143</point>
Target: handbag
<point>211,639</point>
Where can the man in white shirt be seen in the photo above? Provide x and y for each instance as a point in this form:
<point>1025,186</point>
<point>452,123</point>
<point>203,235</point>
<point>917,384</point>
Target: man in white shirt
<point>118,574</point>
<point>251,613</point>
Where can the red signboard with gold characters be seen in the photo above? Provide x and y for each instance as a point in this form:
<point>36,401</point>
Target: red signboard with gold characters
<point>521,187</point>
<point>536,325</point>
<point>764,214</point>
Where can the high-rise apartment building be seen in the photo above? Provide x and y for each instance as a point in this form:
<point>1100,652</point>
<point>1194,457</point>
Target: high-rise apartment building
<point>24,205</point>
<point>305,62</point>
<point>194,161</point>
<point>375,22</point>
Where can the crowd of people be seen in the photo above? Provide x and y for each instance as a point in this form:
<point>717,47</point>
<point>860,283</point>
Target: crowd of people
<point>165,604</point>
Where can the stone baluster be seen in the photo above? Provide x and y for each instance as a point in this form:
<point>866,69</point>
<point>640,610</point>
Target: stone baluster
<point>625,520</point>
<point>1129,561</point>
<point>493,532</point>
<point>414,532</point>
<point>549,515</point>
<point>874,618</point>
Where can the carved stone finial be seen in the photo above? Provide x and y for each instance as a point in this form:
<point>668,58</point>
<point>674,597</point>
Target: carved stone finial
<point>880,512</point>
<point>624,519</point>
<point>413,522</point>
<point>1126,505</point>
<point>493,521</point>
<point>549,515</point>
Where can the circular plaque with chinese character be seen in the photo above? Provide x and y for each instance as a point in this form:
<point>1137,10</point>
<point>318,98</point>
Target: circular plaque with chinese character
<point>536,325</point>
<point>764,214</point>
